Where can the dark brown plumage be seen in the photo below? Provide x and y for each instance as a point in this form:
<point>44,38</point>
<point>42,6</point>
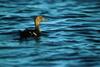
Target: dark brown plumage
<point>32,32</point>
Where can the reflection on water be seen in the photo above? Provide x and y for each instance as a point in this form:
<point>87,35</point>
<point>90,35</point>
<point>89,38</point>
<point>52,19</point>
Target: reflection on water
<point>70,37</point>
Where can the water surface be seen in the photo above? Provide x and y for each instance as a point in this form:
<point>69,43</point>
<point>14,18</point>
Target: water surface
<point>71,34</point>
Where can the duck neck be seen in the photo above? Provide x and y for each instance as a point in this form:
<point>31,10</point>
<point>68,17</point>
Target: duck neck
<point>37,21</point>
<point>37,29</point>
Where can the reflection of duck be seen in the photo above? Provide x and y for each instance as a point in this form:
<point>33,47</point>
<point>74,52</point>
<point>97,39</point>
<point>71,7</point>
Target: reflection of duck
<point>32,33</point>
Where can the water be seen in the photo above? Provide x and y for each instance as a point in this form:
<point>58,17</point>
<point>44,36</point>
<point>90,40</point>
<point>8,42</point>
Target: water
<point>71,34</point>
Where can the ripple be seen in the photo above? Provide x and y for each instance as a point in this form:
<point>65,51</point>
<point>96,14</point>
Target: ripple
<point>70,36</point>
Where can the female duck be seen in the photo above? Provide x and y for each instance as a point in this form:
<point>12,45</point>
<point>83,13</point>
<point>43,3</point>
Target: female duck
<point>32,32</point>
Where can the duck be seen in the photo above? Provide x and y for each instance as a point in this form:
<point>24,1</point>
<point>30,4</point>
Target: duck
<point>35,32</point>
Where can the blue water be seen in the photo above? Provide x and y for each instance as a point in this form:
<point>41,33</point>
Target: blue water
<point>71,33</point>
